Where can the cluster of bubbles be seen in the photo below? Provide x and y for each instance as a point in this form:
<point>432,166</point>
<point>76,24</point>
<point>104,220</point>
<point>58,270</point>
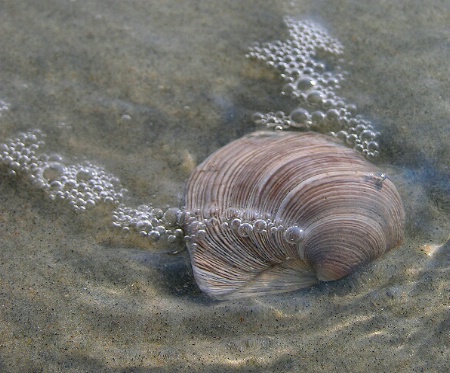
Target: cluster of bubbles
<point>153,223</point>
<point>241,223</point>
<point>4,106</point>
<point>82,185</point>
<point>308,62</point>
<point>176,224</point>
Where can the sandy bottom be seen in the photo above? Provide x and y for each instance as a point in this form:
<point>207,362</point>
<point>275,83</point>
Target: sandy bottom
<point>148,91</point>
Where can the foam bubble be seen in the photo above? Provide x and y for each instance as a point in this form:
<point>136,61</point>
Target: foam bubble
<point>293,235</point>
<point>245,230</point>
<point>157,223</point>
<point>4,106</point>
<point>260,226</point>
<point>83,185</point>
<point>309,63</point>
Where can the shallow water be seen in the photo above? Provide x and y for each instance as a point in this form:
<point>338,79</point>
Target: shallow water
<point>149,89</point>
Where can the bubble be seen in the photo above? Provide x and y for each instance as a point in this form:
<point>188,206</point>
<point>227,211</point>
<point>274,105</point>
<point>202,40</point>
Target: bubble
<point>245,230</point>
<point>84,175</point>
<point>56,185</point>
<point>201,234</point>
<point>161,229</point>
<point>155,222</point>
<point>53,171</point>
<point>359,147</point>
<point>260,226</point>
<point>314,97</point>
<point>288,89</point>
<point>158,213</point>
<point>178,233</point>
<point>332,115</point>
<point>258,118</point>
<point>154,236</point>
<point>144,225</point>
<point>172,238</point>
<point>351,139</point>
<point>183,218</point>
<point>90,203</point>
<point>4,106</point>
<point>367,135</point>
<point>299,116</point>
<point>372,146</point>
<point>171,216</point>
<point>235,224</point>
<point>293,235</point>
<point>15,166</point>
<point>305,84</point>
<point>342,135</point>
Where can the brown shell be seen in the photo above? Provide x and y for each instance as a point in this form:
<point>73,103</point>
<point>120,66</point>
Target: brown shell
<point>346,211</point>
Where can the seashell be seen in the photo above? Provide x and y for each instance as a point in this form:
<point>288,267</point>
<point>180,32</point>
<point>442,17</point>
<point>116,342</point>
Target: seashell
<point>279,211</point>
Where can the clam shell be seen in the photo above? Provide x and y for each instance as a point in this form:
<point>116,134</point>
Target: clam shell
<point>278,211</point>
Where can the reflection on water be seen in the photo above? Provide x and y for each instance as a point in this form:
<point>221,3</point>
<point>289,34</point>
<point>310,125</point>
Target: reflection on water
<point>137,89</point>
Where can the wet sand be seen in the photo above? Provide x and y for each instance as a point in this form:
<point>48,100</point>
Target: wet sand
<point>148,90</point>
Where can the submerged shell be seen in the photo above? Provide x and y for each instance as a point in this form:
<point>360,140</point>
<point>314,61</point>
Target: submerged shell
<point>275,212</point>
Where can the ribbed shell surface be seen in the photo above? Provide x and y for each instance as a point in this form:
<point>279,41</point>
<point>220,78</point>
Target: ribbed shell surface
<point>348,211</point>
